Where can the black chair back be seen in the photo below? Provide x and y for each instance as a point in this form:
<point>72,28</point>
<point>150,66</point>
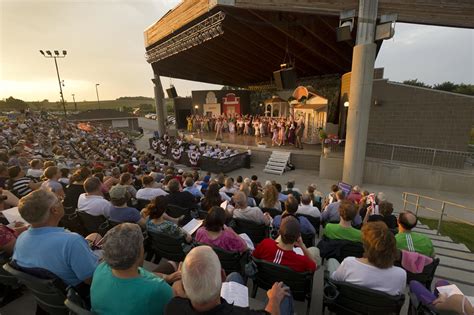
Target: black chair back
<point>49,293</point>
<point>167,247</point>
<point>176,211</point>
<point>256,232</point>
<point>73,223</point>
<point>308,239</point>
<point>426,276</point>
<point>315,222</point>
<point>75,303</point>
<point>300,283</point>
<point>272,211</point>
<point>231,261</point>
<point>229,194</point>
<point>6,278</point>
<point>93,224</point>
<point>347,298</point>
<point>142,203</point>
<point>202,214</point>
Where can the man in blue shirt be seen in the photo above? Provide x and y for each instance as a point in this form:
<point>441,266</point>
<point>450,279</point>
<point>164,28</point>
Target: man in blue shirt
<point>120,212</point>
<point>47,246</point>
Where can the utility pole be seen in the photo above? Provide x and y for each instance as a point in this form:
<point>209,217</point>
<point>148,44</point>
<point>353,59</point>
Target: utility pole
<point>75,105</point>
<point>97,92</point>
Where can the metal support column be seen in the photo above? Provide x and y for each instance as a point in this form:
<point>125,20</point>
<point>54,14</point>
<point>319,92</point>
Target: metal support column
<point>159,103</point>
<point>363,60</point>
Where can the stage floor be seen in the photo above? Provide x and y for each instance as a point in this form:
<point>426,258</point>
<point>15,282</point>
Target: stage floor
<point>251,142</point>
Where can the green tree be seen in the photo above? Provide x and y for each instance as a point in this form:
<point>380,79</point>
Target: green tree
<point>464,89</point>
<point>415,82</point>
<point>12,103</point>
<point>445,86</point>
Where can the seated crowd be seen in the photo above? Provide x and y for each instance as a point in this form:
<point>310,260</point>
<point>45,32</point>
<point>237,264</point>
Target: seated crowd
<point>135,195</point>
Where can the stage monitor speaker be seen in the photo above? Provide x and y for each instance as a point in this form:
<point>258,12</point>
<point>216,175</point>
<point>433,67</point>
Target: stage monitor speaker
<point>285,79</point>
<point>171,92</point>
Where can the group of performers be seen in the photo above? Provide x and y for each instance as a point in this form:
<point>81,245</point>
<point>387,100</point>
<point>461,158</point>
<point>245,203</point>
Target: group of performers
<point>283,131</point>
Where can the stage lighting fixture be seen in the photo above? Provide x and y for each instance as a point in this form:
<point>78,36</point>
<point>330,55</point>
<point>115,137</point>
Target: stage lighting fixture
<point>49,52</point>
<point>346,24</point>
<point>64,52</point>
<point>42,52</point>
<point>56,53</point>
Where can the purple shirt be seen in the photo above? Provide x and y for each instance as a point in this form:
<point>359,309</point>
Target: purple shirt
<point>227,240</point>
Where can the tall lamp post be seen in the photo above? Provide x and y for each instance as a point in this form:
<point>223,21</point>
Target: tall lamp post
<point>49,54</point>
<point>97,92</point>
<point>75,105</point>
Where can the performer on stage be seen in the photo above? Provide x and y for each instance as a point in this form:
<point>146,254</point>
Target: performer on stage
<point>190,123</point>
<point>219,129</point>
<point>299,133</point>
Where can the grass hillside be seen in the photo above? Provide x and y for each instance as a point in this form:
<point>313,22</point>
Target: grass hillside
<point>82,106</point>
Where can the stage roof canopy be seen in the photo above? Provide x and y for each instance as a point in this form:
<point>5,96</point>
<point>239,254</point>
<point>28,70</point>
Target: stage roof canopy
<point>241,42</point>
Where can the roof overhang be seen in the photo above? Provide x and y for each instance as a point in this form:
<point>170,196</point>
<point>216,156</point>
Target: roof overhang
<point>241,42</point>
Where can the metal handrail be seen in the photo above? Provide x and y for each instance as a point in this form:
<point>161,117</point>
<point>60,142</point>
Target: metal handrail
<point>441,211</point>
<point>422,148</point>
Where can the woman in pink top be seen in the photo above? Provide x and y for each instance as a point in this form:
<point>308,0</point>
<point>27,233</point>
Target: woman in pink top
<point>214,233</point>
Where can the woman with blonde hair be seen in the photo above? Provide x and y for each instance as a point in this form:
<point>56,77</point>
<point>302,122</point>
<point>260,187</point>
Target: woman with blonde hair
<point>270,198</point>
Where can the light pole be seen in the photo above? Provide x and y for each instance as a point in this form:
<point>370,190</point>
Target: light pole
<point>97,92</point>
<point>75,105</point>
<point>48,54</point>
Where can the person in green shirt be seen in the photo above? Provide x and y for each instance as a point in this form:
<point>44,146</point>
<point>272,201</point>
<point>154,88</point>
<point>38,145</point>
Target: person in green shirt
<point>120,285</point>
<point>411,241</point>
<point>344,230</point>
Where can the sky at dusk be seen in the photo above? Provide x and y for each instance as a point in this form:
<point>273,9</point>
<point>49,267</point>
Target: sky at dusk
<point>104,40</point>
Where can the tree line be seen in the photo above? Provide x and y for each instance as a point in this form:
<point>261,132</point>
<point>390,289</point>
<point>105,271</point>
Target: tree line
<point>447,86</point>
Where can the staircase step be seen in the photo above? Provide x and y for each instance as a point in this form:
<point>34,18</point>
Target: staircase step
<point>466,277</point>
<point>272,171</point>
<point>425,231</point>
<point>455,253</point>
<point>455,262</point>
<point>450,245</point>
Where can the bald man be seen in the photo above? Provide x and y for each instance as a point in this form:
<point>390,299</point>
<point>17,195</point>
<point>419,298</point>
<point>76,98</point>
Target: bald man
<point>411,241</point>
<point>199,290</point>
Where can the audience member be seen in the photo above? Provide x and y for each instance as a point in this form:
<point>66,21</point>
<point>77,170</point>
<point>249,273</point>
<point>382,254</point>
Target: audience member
<point>183,199</point>
<point>270,198</point>
<point>228,186</point>
<point>127,180</point>
<point>18,184</point>
<point>290,189</point>
<point>291,207</point>
<point>157,221</point>
<point>120,284</point>
<point>36,169</point>
<point>212,197</point>
<point>355,195</point>
<point>412,241</point>
<point>47,246</point>
<point>375,270</point>
<point>307,208</point>
<point>281,251</point>
<point>344,230</point>
<point>52,175</point>
<point>215,233</point>
<point>148,191</point>
<point>200,289</point>
<point>385,215</point>
<point>120,212</point>
<point>331,212</point>
<point>93,201</point>
<point>8,237</point>
<point>191,187</point>
<point>243,211</point>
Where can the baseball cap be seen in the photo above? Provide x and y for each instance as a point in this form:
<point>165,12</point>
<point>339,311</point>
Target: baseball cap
<point>118,192</point>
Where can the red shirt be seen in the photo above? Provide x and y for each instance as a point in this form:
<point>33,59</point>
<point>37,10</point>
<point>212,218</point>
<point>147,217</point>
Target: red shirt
<point>268,250</point>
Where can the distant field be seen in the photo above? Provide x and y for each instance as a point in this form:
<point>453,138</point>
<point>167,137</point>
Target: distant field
<point>82,106</point>
<point>472,137</point>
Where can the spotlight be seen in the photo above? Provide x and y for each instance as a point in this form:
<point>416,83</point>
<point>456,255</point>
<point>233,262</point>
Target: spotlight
<point>346,24</point>
<point>56,53</point>
<point>49,52</point>
<point>42,52</point>
<point>64,52</point>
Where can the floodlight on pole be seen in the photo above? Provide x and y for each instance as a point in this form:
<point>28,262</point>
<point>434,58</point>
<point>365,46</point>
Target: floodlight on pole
<point>61,83</point>
<point>97,92</point>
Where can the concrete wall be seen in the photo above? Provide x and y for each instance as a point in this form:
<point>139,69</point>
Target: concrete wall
<point>421,117</point>
<point>380,172</point>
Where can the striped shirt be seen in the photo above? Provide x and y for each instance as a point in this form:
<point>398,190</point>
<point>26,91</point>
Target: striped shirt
<point>21,187</point>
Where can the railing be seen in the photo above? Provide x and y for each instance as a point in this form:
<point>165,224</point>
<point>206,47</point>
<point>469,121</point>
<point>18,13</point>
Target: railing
<point>419,203</point>
<point>426,156</point>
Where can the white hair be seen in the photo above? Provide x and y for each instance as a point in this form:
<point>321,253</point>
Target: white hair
<point>201,275</point>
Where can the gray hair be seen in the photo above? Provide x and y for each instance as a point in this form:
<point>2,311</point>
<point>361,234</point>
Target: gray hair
<point>201,275</point>
<point>240,200</point>
<point>35,207</point>
<point>123,245</point>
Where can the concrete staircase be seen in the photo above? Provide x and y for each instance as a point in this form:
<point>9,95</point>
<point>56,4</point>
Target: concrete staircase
<point>277,162</point>
<point>456,261</point>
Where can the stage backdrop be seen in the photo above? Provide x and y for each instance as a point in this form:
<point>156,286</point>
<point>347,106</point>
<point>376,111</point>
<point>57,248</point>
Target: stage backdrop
<point>201,98</point>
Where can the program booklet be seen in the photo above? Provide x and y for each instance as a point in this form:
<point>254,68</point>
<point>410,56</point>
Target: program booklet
<point>192,226</point>
<point>235,293</point>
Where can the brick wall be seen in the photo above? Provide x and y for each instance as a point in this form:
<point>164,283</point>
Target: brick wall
<point>420,117</point>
